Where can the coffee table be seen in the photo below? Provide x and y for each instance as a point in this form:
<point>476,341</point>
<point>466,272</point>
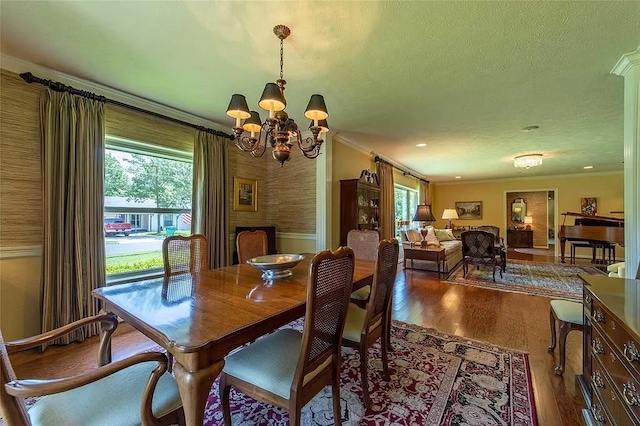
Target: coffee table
<point>430,253</point>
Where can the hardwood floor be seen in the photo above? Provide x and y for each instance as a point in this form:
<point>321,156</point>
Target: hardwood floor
<point>505,319</point>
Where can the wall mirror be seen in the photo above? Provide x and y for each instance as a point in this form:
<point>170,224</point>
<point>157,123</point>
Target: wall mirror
<point>518,210</point>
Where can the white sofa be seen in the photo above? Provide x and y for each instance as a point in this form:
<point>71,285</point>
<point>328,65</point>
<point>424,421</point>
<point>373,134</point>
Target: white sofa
<point>452,252</point>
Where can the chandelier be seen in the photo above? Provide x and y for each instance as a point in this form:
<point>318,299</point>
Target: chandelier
<point>278,130</point>
<point>528,160</point>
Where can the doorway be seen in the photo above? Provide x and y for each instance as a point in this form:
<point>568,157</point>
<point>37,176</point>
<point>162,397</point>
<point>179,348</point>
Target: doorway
<point>533,211</point>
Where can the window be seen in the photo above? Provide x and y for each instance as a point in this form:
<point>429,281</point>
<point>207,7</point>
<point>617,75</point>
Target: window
<point>406,200</point>
<point>146,188</point>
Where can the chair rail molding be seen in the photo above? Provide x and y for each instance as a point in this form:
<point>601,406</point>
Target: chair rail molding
<point>20,252</point>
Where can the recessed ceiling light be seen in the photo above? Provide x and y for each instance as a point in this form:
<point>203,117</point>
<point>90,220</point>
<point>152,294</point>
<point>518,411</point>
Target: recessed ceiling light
<point>458,177</point>
<point>588,167</point>
<point>421,145</point>
<point>529,129</point>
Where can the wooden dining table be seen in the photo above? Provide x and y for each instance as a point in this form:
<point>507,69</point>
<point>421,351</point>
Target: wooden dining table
<point>199,318</point>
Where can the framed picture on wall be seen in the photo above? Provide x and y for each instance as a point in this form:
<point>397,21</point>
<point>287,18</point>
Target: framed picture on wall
<point>469,209</point>
<point>588,206</point>
<point>245,194</point>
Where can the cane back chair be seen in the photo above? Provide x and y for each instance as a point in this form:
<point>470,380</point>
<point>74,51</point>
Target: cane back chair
<point>251,244</point>
<point>185,255</point>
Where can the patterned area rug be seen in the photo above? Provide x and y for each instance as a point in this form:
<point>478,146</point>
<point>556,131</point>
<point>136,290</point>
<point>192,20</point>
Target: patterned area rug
<point>542,279</point>
<point>436,379</point>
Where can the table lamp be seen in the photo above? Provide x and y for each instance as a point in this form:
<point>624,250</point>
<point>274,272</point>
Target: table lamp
<point>423,214</point>
<point>528,220</point>
<point>450,214</point>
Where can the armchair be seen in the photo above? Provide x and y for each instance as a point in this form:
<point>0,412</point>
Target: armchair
<point>479,248</point>
<point>135,390</point>
<point>499,242</point>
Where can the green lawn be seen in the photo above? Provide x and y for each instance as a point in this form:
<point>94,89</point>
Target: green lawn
<point>133,262</point>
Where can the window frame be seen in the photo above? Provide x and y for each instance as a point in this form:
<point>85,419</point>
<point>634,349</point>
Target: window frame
<point>136,147</point>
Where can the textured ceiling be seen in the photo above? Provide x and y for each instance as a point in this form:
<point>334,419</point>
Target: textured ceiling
<point>462,77</point>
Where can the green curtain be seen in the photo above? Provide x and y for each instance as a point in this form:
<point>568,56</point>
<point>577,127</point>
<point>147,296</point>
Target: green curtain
<point>387,206</point>
<point>73,140</point>
<point>209,205</point>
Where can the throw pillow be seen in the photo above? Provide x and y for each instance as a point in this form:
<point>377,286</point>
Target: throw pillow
<point>431,238</point>
<point>444,234</point>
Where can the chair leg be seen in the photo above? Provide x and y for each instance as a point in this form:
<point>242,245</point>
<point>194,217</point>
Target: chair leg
<point>552,325</point>
<point>224,391</point>
<point>294,417</point>
<point>385,357</point>
<point>335,391</point>
<point>363,375</point>
<point>565,328</point>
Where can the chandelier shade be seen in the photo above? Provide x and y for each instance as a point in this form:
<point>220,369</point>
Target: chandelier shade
<point>278,130</point>
<point>528,160</point>
<point>272,98</point>
<point>324,127</point>
<point>253,124</point>
<point>316,109</point>
<point>238,107</point>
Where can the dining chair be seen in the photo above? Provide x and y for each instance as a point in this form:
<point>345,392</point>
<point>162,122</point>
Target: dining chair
<point>288,368</point>
<point>365,326</point>
<point>132,391</point>
<point>185,255</point>
<point>365,246</point>
<point>251,244</point>
<point>478,248</point>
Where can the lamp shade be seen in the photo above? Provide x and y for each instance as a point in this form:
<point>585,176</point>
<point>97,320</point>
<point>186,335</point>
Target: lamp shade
<point>272,98</point>
<point>253,123</point>
<point>450,214</point>
<point>316,109</point>
<point>324,127</point>
<point>238,107</point>
<point>528,219</point>
<point>423,214</point>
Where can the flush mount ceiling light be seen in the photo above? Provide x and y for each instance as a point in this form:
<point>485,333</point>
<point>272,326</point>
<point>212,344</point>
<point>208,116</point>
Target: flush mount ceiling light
<point>278,130</point>
<point>420,145</point>
<point>529,129</point>
<point>528,160</point>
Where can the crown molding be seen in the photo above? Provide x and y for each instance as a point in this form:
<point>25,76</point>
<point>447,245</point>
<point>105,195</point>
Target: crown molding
<point>527,178</point>
<point>627,62</point>
<point>341,139</point>
<point>19,66</point>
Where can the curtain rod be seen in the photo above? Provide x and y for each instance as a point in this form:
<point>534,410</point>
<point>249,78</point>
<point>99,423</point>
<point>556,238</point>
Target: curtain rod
<point>60,87</point>
<point>378,159</point>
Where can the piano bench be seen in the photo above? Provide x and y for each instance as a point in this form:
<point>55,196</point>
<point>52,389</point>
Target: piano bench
<point>584,245</point>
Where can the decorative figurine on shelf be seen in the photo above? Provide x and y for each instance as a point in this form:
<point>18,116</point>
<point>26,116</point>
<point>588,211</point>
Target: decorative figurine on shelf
<point>369,177</point>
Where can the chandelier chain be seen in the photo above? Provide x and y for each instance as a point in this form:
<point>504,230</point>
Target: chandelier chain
<point>281,59</point>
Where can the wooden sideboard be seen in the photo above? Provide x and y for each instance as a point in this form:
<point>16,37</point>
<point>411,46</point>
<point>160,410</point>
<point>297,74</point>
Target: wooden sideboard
<point>610,381</point>
<point>520,238</point>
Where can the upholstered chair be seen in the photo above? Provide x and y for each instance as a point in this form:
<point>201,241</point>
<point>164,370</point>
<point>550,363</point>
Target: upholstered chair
<point>365,246</point>
<point>288,368</point>
<point>499,242</point>
<point>135,390</point>
<point>184,255</point>
<point>365,326</point>
<point>479,248</point>
<point>251,244</point>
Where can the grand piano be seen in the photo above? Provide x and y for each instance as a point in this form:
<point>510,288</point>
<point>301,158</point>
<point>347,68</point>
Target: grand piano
<point>595,230</point>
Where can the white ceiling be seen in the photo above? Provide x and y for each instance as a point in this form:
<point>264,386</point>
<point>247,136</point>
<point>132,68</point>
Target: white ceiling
<point>463,77</point>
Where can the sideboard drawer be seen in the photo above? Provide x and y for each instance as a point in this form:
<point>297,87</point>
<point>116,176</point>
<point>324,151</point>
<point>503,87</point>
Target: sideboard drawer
<point>611,326</point>
<point>608,397</point>
<point>608,372</point>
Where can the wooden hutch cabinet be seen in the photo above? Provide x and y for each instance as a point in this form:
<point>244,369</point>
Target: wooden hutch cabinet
<point>359,206</point>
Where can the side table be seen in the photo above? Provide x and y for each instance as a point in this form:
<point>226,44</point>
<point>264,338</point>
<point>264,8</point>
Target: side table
<point>430,253</point>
